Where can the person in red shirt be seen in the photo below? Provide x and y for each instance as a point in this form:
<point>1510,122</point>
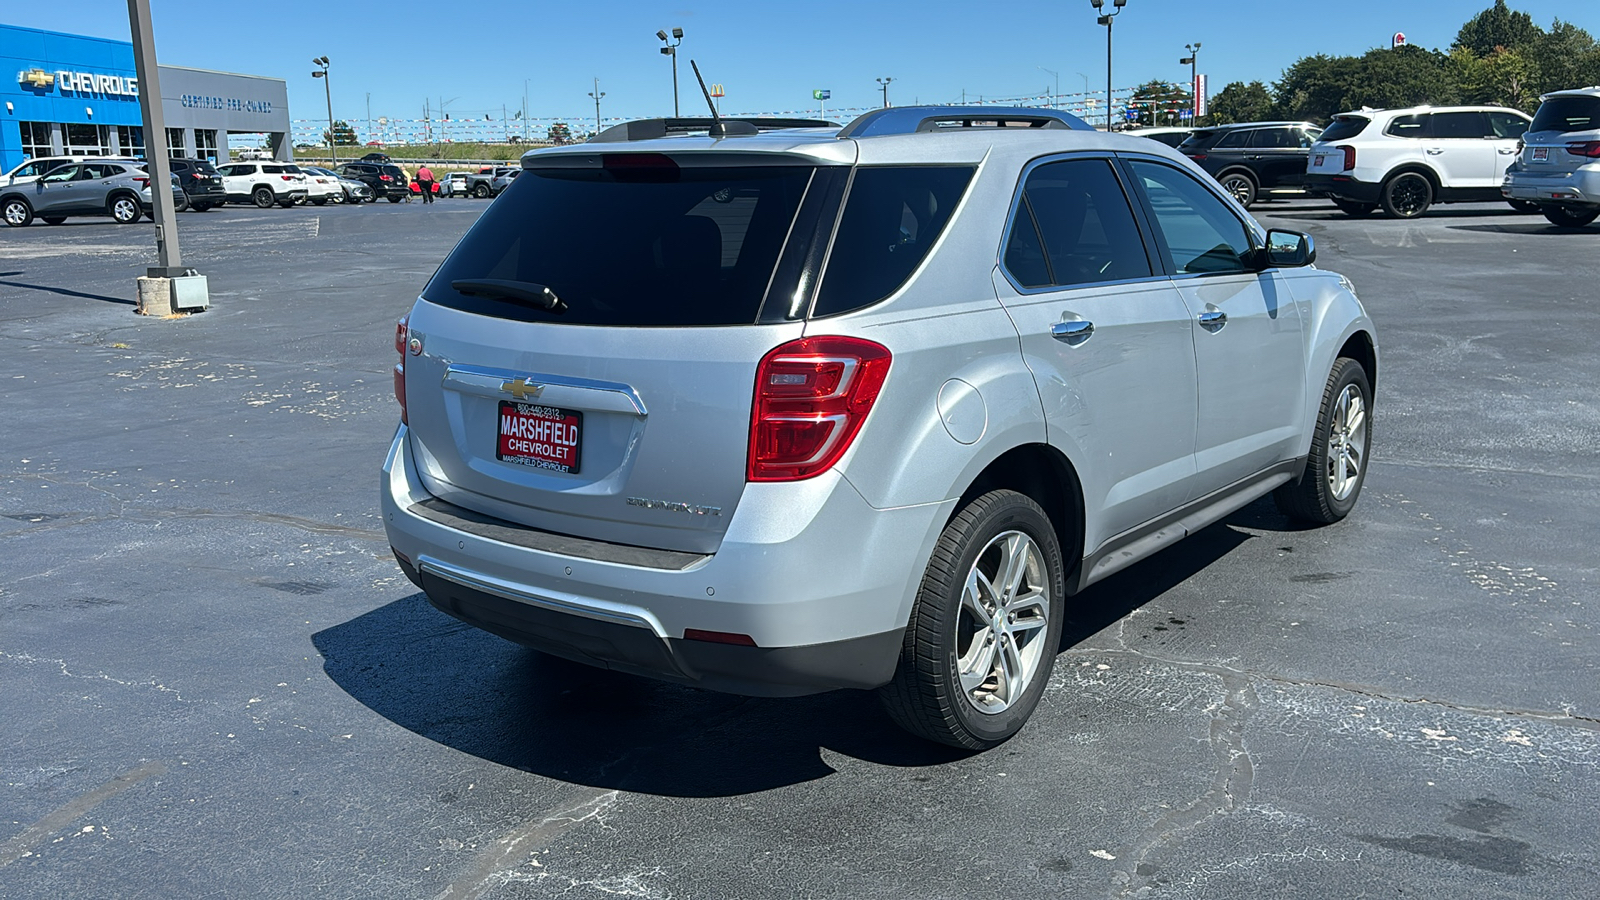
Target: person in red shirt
<point>425,183</point>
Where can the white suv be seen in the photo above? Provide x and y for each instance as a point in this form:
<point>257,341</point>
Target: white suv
<point>1560,166</point>
<point>1406,160</point>
<point>264,183</point>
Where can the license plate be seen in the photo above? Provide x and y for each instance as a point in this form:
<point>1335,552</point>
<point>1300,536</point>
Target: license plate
<point>1541,154</point>
<point>541,437</point>
<point>1317,160</point>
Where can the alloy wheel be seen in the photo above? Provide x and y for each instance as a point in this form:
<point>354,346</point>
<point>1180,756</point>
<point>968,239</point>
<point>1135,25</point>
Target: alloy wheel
<point>1347,442</point>
<point>124,210</point>
<point>1409,195</point>
<point>16,213</point>
<point>1000,632</point>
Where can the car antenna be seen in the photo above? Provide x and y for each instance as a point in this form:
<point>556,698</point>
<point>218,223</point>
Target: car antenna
<point>717,128</point>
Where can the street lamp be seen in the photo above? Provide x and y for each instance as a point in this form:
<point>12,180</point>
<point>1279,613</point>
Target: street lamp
<point>1194,77</point>
<point>333,139</point>
<point>1058,84</point>
<point>671,49</point>
<point>1105,19</point>
<point>884,84</point>
<point>597,94</point>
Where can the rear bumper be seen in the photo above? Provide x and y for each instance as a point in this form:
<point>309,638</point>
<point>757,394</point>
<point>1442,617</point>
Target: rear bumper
<point>1577,188</point>
<point>1344,187</point>
<point>820,581</point>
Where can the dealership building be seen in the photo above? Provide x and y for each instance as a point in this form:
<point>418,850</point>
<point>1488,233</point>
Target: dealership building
<point>66,94</point>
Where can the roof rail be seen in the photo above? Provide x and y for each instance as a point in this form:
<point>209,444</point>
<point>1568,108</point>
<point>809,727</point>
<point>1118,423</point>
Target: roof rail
<point>921,119</point>
<point>648,129</point>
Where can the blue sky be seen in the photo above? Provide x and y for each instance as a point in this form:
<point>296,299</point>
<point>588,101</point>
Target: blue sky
<point>768,56</point>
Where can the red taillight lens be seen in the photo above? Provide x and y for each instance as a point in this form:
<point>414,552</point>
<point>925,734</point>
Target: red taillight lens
<point>812,396</point>
<point>1590,149</point>
<point>401,332</point>
<point>143,182</point>
<point>385,177</point>
<point>1349,156</point>
<point>1198,157</point>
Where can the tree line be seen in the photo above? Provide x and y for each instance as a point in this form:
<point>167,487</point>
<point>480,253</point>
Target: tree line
<point>1500,57</point>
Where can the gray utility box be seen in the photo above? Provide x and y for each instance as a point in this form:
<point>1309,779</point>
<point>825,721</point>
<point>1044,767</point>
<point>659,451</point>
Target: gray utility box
<point>190,292</point>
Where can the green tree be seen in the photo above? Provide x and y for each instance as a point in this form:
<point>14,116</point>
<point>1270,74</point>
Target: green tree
<point>1558,56</point>
<point>1495,27</point>
<point>1158,102</point>
<point>343,134</point>
<point>1318,87</point>
<point>1240,102</point>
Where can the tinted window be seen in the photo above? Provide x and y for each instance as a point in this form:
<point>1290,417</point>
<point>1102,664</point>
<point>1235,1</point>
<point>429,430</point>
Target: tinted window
<point>1505,125</point>
<point>1412,126</point>
<point>292,170</point>
<point>274,170</point>
<point>631,247</point>
<point>205,168</point>
<point>1233,139</point>
<point>1460,125</point>
<point>891,217</point>
<point>96,171</point>
<point>1568,114</point>
<point>392,171</point>
<point>1345,127</point>
<point>177,165</point>
<point>1074,226</point>
<point>65,173</point>
<point>1197,141</point>
<point>1275,139</point>
<point>1202,235</point>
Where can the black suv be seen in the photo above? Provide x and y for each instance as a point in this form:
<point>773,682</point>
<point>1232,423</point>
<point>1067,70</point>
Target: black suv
<point>1253,157</point>
<point>201,182</point>
<point>385,180</point>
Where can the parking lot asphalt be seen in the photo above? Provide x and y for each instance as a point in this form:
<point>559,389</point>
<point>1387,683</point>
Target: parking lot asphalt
<point>214,681</point>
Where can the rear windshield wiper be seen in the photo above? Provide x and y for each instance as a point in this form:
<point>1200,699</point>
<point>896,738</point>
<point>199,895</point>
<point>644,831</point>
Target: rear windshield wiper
<point>526,293</point>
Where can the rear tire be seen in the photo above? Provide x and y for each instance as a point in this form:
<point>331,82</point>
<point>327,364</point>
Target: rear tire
<point>1407,195</point>
<point>320,201</point>
<point>1353,208</point>
<point>1340,450</point>
<point>263,198</point>
<point>481,192</point>
<point>984,630</point>
<point>1566,218</point>
<point>1241,186</point>
<point>124,209</point>
<point>394,199</point>
<point>54,220</point>
<point>1524,206</point>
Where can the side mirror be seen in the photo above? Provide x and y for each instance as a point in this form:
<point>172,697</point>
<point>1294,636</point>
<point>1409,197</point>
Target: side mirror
<point>1288,250</point>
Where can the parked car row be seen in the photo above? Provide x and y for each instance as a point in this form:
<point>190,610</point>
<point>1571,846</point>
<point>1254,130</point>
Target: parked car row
<point>118,188</point>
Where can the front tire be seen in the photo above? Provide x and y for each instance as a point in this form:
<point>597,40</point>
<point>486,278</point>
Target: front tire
<point>1567,218</point>
<point>984,629</point>
<point>1407,195</point>
<point>16,212</point>
<point>1340,451</point>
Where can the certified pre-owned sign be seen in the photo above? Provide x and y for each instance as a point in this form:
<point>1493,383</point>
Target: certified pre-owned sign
<point>81,83</point>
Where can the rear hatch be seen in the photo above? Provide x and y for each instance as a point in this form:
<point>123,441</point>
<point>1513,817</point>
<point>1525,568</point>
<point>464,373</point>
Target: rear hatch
<point>1565,134</point>
<point>624,416</point>
<point>1326,157</point>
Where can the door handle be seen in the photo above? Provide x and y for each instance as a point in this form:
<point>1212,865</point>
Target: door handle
<point>1505,151</point>
<point>1435,151</point>
<point>1212,320</point>
<point>1073,331</point>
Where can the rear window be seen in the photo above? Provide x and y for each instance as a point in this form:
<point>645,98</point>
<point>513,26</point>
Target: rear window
<point>892,216</point>
<point>658,246</point>
<point>1566,114</point>
<point>1345,127</point>
<point>1200,140</point>
<point>390,170</point>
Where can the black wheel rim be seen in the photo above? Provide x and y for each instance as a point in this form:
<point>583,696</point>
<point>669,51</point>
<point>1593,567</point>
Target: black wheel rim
<point>1409,195</point>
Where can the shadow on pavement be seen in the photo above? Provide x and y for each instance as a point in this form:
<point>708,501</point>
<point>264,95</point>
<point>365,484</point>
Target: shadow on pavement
<point>67,293</point>
<point>1540,227</point>
<point>1378,218</point>
<point>492,699</point>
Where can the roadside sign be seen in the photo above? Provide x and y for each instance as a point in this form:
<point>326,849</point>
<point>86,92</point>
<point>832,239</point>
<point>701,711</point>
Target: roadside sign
<point>822,95</point>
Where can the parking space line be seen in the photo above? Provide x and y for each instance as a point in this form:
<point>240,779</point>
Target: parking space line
<point>35,834</point>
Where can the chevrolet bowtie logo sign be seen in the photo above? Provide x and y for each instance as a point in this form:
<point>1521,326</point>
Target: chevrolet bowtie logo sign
<point>38,78</point>
<point>521,389</point>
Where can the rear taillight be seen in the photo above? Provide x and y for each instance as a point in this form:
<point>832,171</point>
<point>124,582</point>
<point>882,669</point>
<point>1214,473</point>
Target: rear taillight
<point>385,177</point>
<point>287,177</point>
<point>1198,157</point>
<point>812,396</point>
<point>143,182</point>
<point>1590,149</point>
<point>1349,156</point>
<point>197,176</point>
<point>401,333</point>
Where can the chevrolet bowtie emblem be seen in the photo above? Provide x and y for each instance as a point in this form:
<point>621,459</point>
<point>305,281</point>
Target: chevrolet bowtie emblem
<point>39,78</point>
<point>521,389</point>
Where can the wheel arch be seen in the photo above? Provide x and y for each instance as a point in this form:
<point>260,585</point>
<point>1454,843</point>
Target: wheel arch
<point>1043,473</point>
<point>122,192</point>
<point>1239,170</point>
<point>1422,169</point>
<point>1361,348</point>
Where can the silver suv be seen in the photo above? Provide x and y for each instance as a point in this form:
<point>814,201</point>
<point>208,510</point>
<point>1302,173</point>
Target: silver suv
<point>780,409</point>
<point>1559,166</point>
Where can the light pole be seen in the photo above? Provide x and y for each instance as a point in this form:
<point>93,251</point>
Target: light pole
<point>597,94</point>
<point>333,139</point>
<point>671,49</point>
<point>1058,84</point>
<point>884,84</point>
<point>1105,19</point>
<point>1194,78</point>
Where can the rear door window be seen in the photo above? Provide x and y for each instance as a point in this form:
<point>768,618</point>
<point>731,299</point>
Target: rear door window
<point>1073,226</point>
<point>1507,126</point>
<point>648,245</point>
<point>1567,114</point>
<point>1460,126</point>
<point>892,217</point>
<point>1276,139</point>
